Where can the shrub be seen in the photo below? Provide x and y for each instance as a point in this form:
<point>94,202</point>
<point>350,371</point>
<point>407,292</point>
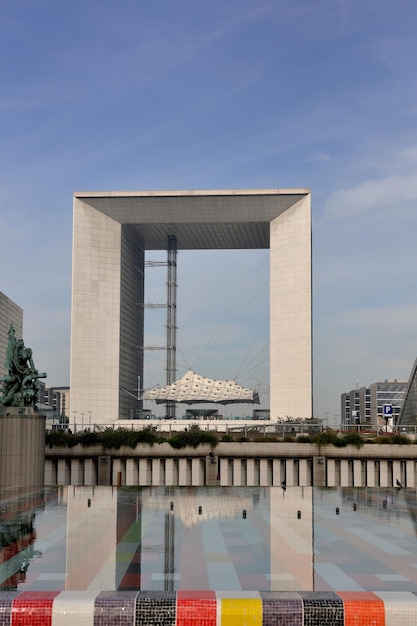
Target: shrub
<point>304,439</point>
<point>383,439</point>
<point>400,439</point>
<point>125,437</point>
<point>60,439</point>
<point>226,438</point>
<point>353,439</point>
<point>88,438</point>
<point>327,437</point>
<point>149,436</point>
<point>193,437</point>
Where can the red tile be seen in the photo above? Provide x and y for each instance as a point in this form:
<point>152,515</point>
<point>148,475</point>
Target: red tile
<point>33,608</point>
<point>196,608</point>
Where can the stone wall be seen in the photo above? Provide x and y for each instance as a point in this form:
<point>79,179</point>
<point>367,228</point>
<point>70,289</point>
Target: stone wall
<point>235,464</point>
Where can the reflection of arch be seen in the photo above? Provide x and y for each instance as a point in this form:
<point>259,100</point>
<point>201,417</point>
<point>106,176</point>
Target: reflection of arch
<point>408,413</point>
<point>195,506</point>
<point>112,232</point>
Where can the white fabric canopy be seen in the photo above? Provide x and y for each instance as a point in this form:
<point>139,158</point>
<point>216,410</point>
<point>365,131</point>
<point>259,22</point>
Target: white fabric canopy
<point>192,388</point>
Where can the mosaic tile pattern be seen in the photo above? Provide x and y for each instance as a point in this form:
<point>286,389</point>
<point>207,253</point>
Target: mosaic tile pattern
<point>74,608</point>
<point>244,607</point>
<point>6,601</point>
<point>156,608</point>
<point>322,608</point>
<point>208,608</point>
<point>196,608</point>
<point>281,608</point>
<point>400,607</point>
<point>363,608</point>
<point>33,608</point>
<point>115,608</point>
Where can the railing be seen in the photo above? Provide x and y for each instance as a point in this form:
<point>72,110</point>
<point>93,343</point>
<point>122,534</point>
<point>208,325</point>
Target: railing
<point>245,427</point>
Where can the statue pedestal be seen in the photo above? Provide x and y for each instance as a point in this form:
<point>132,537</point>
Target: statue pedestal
<point>22,449</point>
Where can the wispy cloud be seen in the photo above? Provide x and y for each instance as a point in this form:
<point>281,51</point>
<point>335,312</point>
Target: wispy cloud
<point>371,195</point>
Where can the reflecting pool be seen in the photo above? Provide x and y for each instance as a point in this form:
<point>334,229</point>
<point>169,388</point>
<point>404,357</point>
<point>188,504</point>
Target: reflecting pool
<point>228,538</point>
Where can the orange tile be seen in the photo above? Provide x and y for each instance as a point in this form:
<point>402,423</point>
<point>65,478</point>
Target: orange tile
<point>362,608</point>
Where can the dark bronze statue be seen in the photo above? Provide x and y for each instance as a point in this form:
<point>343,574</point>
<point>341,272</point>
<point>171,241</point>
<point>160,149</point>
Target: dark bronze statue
<point>21,385</point>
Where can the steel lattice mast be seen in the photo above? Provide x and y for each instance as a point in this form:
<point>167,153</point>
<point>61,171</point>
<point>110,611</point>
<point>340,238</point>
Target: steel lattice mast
<point>171,346</point>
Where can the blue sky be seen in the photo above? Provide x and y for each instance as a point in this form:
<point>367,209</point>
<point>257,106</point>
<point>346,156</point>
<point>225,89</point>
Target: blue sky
<point>200,95</point>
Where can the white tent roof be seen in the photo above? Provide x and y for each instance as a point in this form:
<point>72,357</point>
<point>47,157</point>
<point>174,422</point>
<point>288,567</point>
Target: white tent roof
<point>192,388</point>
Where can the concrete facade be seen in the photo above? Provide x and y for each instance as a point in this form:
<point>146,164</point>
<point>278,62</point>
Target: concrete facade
<point>22,450</point>
<point>250,464</point>
<point>112,230</point>
<point>10,313</point>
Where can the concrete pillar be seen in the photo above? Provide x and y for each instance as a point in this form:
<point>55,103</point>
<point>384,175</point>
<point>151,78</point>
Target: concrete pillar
<point>77,472</point>
<point>331,473</point>
<point>237,473</point>
<point>370,473</point>
<point>169,473</point>
<point>383,474</point>
<point>278,472</point>
<point>90,473</point>
<point>145,472</point>
<point>63,472</point>
<point>104,466</point>
<point>305,473</point>
<point>319,471</point>
<point>226,472</point>
<point>132,472</point>
<point>119,472</point>
<point>250,473</point>
<point>345,473</point>
<point>398,473</point>
<point>265,472</point>
<point>157,473</point>
<point>197,472</point>
<point>184,477</point>
<point>289,472</point>
<point>357,473</point>
<point>410,472</point>
<point>50,472</point>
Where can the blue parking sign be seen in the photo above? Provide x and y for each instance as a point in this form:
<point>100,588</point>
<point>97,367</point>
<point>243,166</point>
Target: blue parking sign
<point>387,410</point>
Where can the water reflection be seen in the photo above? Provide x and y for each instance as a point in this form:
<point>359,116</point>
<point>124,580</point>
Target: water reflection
<point>18,536</point>
<point>300,538</point>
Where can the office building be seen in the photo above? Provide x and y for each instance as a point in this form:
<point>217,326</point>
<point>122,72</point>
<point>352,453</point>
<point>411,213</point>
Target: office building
<point>10,313</point>
<point>365,405</point>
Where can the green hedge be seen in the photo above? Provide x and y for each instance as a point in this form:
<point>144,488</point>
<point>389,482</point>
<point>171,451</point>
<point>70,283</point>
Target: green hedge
<point>194,437</point>
<point>110,438</point>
